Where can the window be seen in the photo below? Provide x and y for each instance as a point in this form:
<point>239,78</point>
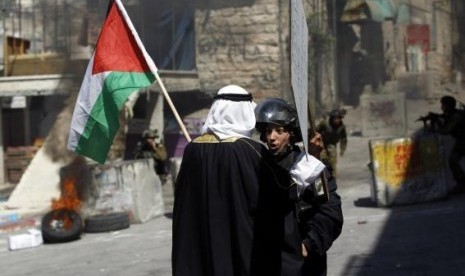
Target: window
<point>167,30</point>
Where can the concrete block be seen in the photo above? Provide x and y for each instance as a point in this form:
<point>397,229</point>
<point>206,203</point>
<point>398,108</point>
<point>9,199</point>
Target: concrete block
<point>129,186</point>
<point>408,170</point>
<point>38,185</point>
<point>175,166</point>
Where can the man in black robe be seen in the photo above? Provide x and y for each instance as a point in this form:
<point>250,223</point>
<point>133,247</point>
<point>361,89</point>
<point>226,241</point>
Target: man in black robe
<point>228,214</point>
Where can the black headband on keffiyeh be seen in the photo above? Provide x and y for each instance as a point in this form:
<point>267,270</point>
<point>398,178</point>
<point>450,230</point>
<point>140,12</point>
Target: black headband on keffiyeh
<point>234,97</point>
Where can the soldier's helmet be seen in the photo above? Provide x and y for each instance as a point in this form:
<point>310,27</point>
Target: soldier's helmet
<point>278,112</point>
<point>150,133</point>
<point>449,102</point>
<point>336,113</point>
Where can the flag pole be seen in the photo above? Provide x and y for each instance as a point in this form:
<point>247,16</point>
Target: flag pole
<point>170,103</point>
<point>152,68</point>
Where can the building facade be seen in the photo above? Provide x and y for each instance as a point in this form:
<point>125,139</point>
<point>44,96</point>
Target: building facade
<point>200,46</point>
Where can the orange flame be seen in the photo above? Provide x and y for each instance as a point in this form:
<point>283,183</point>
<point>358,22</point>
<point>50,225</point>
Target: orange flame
<point>69,198</point>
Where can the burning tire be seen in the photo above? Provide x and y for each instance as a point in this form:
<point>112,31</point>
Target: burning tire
<point>61,225</point>
<point>106,222</point>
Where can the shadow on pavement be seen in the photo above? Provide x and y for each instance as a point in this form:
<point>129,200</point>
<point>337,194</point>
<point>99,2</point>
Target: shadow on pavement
<point>365,202</point>
<point>424,237</point>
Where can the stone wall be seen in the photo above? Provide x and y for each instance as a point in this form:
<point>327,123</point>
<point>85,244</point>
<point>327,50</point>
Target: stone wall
<point>247,46</point>
<point>438,62</point>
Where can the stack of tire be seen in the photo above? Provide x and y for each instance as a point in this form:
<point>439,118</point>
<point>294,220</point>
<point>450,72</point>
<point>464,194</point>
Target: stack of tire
<point>64,225</point>
<point>106,222</point>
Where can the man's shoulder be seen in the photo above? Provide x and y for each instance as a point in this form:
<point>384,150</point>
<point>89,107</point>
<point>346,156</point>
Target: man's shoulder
<point>322,123</point>
<point>342,127</point>
<point>241,142</point>
<point>459,113</point>
<point>456,117</point>
<point>252,144</point>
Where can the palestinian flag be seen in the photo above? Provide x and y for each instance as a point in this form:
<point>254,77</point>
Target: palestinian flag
<point>119,67</point>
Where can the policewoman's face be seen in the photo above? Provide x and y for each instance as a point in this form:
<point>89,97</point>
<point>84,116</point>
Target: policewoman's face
<point>277,138</point>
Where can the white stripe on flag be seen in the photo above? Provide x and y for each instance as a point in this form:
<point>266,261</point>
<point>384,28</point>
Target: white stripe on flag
<point>88,94</point>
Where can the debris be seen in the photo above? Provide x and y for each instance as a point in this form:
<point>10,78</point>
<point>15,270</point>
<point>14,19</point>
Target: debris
<point>20,241</point>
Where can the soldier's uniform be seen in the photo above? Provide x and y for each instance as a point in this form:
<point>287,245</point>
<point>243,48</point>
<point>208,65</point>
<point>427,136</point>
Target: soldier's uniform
<point>452,122</point>
<point>332,135</point>
<point>147,150</point>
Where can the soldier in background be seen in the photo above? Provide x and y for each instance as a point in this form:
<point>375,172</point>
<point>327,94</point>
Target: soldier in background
<point>452,122</point>
<point>149,148</point>
<point>333,132</point>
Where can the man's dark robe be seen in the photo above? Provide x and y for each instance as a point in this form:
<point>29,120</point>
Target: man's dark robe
<point>227,217</point>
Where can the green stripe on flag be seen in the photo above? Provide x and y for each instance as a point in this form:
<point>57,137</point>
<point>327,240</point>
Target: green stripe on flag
<point>103,122</point>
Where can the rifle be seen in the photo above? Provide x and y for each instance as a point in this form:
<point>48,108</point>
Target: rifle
<point>321,184</point>
<point>429,121</point>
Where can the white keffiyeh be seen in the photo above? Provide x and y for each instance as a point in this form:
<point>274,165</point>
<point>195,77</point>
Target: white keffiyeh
<point>227,118</point>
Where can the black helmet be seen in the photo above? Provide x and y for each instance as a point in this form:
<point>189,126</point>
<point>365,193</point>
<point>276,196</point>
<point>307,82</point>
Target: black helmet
<point>279,112</point>
<point>449,102</point>
<point>150,133</point>
<point>336,113</point>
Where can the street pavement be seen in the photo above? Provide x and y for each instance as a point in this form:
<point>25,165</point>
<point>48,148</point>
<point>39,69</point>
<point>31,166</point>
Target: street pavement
<point>419,239</point>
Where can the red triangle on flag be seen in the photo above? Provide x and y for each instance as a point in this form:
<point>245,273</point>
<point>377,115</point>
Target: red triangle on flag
<point>116,49</point>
